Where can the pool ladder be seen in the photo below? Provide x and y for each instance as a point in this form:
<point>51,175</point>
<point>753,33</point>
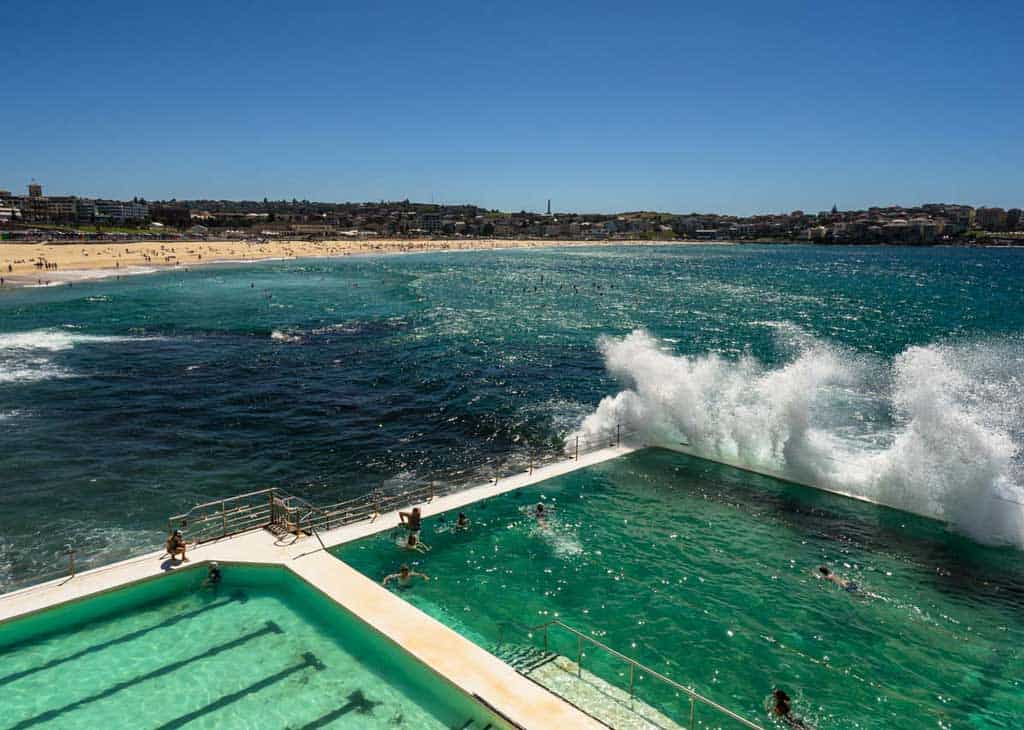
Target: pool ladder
<point>635,667</point>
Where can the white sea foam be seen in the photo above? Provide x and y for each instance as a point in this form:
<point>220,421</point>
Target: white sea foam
<point>31,370</point>
<point>24,356</point>
<point>52,340</point>
<point>937,431</point>
<point>281,336</point>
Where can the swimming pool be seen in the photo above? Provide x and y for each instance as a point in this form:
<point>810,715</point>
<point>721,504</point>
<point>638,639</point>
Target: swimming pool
<point>262,650</point>
<point>707,574</point>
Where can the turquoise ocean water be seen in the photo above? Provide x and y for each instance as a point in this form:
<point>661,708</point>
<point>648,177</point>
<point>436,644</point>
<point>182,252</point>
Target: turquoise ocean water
<point>122,402</point>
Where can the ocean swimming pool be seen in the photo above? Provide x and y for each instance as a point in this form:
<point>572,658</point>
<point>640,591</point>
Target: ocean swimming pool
<point>706,574</point>
<point>262,650</point>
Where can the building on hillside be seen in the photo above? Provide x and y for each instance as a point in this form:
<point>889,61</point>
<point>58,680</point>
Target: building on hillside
<point>119,211</point>
<point>990,219</point>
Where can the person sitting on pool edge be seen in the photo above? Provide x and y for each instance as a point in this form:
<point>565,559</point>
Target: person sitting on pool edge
<point>175,545</point>
<point>782,709</point>
<point>404,577</point>
<point>847,585</point>
<point>412,520</point>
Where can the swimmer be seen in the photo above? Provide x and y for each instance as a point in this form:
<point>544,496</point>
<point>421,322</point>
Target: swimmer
<point>463,522</point>
<point>782,709</point>
<point>212,574</point>
<point>539,512</point>
<point>412,520</point>
<point>414,543</point>
<point>847,585</point>
<point>404,577</point>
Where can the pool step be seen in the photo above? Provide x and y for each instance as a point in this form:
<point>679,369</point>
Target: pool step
<point>523,657</point>
<point>560,675</point>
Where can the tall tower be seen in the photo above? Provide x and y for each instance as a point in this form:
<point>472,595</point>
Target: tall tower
<point>35,190</point>
<point>549,206</point>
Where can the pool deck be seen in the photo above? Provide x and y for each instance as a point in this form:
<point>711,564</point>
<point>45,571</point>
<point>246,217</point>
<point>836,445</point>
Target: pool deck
<point>467,666</point>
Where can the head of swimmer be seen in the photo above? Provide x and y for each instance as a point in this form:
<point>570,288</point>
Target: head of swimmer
<point>781,701</point>
<point>825,572</point>
<point>404,571</point>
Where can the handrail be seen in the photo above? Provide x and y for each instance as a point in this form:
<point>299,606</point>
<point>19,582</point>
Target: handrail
<point>634,665</point>
<point>220,518</point>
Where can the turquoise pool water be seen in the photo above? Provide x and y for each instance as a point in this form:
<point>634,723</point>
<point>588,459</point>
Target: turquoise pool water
<point>706,573</point>
<point>263,650</point>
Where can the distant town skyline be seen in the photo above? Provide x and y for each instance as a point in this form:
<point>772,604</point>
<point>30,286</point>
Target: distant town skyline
<point>35,188</point>
<point>37,216</point>
<point>736,107</point>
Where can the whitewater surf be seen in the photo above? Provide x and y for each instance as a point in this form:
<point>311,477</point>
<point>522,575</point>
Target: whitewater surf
<point>934,431</point>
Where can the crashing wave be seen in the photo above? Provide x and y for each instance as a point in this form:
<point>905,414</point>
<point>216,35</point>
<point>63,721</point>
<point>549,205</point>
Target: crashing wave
<point>936,431</point>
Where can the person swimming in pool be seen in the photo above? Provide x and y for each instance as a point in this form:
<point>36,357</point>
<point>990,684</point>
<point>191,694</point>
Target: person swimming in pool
<point>539,512</point>
<point>213,575</point>
<point>463,522</point>
<point>412,542</point>
<point>782,709</point>
<point>404,577</point>
<point>847,585</point>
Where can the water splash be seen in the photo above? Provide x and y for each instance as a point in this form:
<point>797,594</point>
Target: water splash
<point>52,340</point>
<point>26,356</point>
<point>937,431</point>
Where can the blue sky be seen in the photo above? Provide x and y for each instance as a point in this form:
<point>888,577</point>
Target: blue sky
<point>738,107</point>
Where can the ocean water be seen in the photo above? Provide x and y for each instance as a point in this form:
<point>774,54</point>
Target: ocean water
<point>892,373</point>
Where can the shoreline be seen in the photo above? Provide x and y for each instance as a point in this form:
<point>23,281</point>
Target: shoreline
<point>68,263</point>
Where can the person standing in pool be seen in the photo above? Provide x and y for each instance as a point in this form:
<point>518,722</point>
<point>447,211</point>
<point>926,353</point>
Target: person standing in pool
<point>413,521</point>
<point>404,577</point>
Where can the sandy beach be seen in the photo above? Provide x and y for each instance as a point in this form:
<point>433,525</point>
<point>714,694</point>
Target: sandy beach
<point>50,264</point>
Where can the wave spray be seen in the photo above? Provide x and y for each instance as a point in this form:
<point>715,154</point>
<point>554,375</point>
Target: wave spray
<point>936,431</point>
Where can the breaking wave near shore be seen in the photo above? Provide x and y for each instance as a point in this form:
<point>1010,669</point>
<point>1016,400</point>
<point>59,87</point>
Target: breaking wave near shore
<point>28,356</point>
<point>937,430</point>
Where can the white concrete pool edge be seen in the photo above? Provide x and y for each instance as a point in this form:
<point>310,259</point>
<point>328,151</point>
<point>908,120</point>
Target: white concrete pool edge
<point>469,667</point>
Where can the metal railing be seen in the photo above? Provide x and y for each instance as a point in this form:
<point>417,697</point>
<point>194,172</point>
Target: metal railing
<point>230,516</point>
<point>275,508</point>
<point>635,668</point>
